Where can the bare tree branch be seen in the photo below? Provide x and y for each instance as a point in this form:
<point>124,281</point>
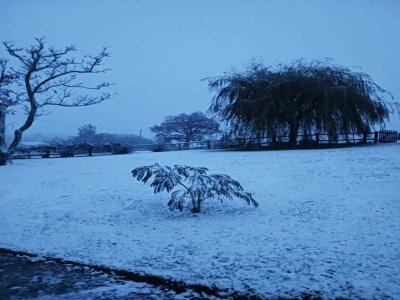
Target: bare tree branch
<point>48,77</point>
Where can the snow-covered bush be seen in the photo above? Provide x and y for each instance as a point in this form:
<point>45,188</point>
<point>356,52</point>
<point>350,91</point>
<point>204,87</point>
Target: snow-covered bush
<point>191,184</point>
<point>118,148</point>
<point>66,150</point>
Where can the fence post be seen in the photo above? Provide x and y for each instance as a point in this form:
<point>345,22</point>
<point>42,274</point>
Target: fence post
<point>376,137</point>
<point>46,153</point>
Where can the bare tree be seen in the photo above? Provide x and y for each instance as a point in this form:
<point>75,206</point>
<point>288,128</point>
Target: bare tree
<point>185,128</point>
<point>50,77</point>
<point>7,99</point>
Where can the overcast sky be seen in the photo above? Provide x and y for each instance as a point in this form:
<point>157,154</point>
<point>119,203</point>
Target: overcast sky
<point>160,50</point>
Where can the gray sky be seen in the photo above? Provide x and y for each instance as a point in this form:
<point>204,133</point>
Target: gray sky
<point>161,49</point>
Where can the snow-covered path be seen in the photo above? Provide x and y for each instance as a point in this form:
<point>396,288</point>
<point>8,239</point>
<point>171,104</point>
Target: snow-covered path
<point>328,221</point>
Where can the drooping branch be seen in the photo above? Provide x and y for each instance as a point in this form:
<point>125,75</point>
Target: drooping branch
<point>297,98</point>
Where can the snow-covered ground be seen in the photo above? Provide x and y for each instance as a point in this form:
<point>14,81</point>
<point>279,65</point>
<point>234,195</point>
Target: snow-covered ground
<point>328,221</point>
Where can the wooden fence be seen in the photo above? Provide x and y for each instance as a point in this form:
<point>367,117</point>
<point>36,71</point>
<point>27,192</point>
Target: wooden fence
<point>279,142</point>
<point>387,136</point>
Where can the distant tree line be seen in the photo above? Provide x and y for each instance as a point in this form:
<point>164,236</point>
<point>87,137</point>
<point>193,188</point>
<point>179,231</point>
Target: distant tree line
<point>87,134</point>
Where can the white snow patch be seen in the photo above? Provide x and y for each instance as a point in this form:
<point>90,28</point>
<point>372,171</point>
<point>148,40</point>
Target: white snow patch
<point>328,221</point>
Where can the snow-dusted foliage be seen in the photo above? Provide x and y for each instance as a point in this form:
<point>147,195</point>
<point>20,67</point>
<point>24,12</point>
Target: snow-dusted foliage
<point>194,183</point>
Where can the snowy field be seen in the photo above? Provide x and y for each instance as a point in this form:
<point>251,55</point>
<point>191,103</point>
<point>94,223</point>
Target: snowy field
<point>328,221</point>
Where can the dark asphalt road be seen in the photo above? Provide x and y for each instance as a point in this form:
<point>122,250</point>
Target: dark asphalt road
<point>27,278</point>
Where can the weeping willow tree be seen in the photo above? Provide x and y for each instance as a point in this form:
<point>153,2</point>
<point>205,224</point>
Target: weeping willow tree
<point>300,97</point>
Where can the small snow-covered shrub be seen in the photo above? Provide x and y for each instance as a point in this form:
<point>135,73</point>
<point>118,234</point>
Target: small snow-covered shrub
<point>192,185</point>
<point>118,148</point>
<point>158,148</point>
<point>66,150</point>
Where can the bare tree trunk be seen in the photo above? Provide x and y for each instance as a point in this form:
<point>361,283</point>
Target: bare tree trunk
<point>196,202</point>
<point>259,140</point>
<point>2,129</point>
<point>365,136</point>
<point>294,129</point>
<point>274,139</point>
<point>3,158</point>
<point>3,150</point>
<point>194,205</point>
<point>28,122</point>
